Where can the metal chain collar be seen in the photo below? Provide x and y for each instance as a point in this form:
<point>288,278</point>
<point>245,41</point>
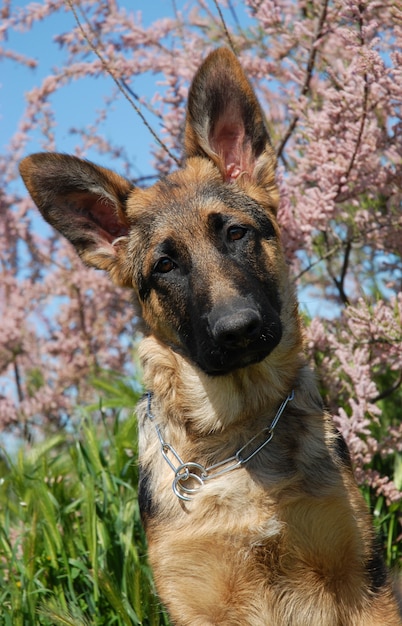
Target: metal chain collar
<point>190,477</point>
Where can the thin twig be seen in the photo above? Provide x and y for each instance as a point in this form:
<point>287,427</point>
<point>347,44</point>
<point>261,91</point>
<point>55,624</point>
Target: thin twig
<point>340,283</point>
<point>322,258</point>
<point>335,248</point>
<point>137,97</point>
<point>234,14</point>
<point>387,392</point>
<point>18,384</point>
<point>84,328</point>
<point>109,70</point>
<point>364,113</point>
<point>225,28</point>
<point>309,74</point>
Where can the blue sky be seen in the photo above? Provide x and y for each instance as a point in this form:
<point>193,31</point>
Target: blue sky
<point>76,103</point>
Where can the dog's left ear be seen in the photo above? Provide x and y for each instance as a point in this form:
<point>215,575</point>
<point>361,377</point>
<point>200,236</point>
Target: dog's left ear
<point>225,122</point>
<point>85,203</point>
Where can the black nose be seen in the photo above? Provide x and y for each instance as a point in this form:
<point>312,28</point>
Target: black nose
<point>236,329</point>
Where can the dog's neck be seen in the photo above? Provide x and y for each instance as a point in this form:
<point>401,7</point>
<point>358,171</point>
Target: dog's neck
<point>210,404</point>
<point>190,476</point>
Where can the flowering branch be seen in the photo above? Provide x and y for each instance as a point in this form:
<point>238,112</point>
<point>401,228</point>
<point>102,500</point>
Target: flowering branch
<point>340,197</point>
<point>309,73</point>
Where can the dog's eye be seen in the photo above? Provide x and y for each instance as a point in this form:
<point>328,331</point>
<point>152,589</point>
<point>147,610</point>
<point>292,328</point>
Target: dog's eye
<point>164,265</point>
<point>236,232</point>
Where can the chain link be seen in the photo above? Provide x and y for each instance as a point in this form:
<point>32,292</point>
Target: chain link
<point>189,477</point>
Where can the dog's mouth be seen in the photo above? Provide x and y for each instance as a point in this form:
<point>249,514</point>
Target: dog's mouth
<point>226,368</point>
<point>218,361</point>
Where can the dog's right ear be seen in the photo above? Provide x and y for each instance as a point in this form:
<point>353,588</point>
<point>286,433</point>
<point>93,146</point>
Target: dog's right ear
<point>225,123</point>
<point>84,202</point>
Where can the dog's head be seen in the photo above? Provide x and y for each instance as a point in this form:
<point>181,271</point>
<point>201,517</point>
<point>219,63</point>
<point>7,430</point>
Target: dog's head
<point>200,248</point>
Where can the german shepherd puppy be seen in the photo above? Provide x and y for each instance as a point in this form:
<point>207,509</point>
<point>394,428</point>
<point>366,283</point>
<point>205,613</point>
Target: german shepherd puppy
<point>247,495</point>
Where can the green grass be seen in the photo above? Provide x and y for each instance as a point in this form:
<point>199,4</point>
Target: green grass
<point>72,549</point>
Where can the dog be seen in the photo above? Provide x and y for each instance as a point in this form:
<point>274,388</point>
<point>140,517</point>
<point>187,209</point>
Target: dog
<point>251,511</point>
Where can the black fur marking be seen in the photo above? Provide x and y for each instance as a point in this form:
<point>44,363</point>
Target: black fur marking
<point>148,509</point>
<point>342,451</point>
<point>376,568</point>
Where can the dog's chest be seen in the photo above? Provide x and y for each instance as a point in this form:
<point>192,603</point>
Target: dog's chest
<point>230,500</point>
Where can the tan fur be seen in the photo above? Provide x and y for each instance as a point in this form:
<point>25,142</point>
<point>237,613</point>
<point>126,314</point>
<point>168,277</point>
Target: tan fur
<point>285,539</point>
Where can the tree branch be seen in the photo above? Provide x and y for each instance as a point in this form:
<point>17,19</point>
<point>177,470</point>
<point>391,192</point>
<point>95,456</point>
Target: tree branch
<point>338,197</point>
<point>340,283</point>
<point>321,258</point>
<point>308,77</point>
<point>86,334</point>
<point>119,83</point>
<point>18,384</point>
<point>225,28</point>
<point>387,392</point>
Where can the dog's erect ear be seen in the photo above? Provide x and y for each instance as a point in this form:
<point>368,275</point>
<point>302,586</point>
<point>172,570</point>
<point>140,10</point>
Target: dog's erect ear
<point>84,202</point>
<point>225,122</point>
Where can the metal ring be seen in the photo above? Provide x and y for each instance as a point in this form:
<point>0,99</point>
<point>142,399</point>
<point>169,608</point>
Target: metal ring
<point>184,473</point>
